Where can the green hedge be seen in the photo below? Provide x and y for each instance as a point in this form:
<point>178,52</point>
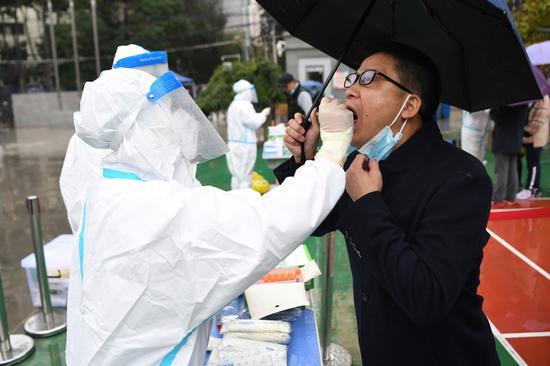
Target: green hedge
<point>263,73</point>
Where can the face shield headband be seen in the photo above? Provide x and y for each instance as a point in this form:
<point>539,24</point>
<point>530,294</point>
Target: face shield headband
<point>154,63</point>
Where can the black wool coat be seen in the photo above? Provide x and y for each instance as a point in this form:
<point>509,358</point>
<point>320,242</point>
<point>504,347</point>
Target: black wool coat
<point>415,251</point>
<point>508,132</point>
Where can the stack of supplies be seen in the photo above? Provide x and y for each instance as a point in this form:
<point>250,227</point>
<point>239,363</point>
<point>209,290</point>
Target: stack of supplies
<point>243,352</point>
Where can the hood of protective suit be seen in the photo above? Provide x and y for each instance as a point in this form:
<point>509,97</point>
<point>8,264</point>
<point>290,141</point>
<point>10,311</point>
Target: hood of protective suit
<point>82,166</point>
<point>153,126</point>
<point>245,91</point>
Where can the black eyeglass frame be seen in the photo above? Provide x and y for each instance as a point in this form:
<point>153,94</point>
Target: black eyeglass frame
<point>375,73</point>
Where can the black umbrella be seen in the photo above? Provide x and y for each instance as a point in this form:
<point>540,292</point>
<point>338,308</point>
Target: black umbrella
<point>474,43</point>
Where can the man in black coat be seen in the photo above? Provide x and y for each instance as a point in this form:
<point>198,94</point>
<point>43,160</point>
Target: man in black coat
<point>414,222</point>
<point>298,98</point>
<point>507,137</point>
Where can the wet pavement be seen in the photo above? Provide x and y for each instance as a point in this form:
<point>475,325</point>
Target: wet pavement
<point>30,164</point>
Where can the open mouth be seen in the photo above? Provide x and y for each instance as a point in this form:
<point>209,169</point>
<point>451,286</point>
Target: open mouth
<point>354,114</point>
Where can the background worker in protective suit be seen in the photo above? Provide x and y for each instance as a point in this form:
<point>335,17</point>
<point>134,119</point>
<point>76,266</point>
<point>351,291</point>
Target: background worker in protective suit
<point>157,254</point>
<point>242,123</point>
<point>81,166</point>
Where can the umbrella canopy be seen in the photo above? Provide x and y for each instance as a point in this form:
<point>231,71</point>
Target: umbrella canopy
<point>543,85</point>
<point>539,53</point>
<point>473,43</point>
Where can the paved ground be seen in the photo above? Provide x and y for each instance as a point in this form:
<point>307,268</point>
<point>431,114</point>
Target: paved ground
<point>30,165</point>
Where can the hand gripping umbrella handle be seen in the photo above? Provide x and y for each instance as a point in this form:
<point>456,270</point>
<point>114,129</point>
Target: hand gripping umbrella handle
<point>307,125</point>
<point>316,102</point>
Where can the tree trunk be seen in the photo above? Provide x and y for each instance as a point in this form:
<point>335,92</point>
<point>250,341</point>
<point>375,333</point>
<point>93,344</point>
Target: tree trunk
<point>18,57</point>
<point>47,67</point>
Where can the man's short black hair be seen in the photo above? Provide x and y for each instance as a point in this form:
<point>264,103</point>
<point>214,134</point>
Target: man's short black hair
<point>286,78</point>
<point>418,73</point>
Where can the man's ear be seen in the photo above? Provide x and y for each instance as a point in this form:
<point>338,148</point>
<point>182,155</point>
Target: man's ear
<point>412,108</point>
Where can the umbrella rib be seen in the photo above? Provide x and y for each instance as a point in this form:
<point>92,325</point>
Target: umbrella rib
<point>348,46</point>
<point>434,16</point>
<point>504,23</point>
<point>325,84</point>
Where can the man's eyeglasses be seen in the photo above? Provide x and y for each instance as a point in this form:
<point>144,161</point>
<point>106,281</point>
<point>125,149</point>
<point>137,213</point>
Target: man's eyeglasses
<point>367,77</point>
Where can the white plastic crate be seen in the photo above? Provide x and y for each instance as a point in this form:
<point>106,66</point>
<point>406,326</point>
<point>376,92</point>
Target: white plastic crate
<point>58,263</point>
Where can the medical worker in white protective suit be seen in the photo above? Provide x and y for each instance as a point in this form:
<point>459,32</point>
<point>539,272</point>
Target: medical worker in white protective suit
<point>81,166</point>
<point>242,123</point>
<point>474,133</point>
<point>157,255</point>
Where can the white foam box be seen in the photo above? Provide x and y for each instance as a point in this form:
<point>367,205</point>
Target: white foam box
<point>57,254</point>
<point>264,299</point>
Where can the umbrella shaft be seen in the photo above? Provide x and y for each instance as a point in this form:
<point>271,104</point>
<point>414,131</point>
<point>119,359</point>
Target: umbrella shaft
<point>307,123</point>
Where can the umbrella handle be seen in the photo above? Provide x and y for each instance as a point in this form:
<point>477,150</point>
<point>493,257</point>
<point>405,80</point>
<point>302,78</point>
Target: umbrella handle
<point>306,126</point>
<point>307,122</point>
<point>316,102</point>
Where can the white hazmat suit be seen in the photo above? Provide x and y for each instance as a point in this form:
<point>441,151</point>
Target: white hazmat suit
<point>157,254</point>
<point>242,123</point>
<point>81,166</point>
<point>474,133</point>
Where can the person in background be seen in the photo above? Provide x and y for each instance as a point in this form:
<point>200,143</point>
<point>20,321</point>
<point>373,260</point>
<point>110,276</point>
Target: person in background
<point>535,138</point>
<point>242,123</point>
<point>474,133</point>
<point>507,137</point>
<point>534,142</point>
<point>298,98</point>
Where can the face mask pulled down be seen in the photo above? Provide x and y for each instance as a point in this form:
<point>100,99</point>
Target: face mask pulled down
<point>382,144</point>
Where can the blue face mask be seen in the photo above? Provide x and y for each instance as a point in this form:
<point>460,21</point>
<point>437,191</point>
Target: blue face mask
<point>381,145</point>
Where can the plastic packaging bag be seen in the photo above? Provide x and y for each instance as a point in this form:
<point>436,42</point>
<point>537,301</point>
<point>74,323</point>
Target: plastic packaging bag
<point>243,352</point>
<point>273,337</point>
<point>287,315</point>
<point>256,326</point>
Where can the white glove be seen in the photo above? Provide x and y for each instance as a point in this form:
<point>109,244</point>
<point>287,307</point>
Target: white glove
<point>334,116</point>
<point>336,123</point>
<point>266,111</point>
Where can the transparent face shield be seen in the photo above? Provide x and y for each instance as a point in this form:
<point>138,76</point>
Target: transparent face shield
<point>200,141</point>
<point>253,94</point>
<point>154,63</point>
<point>155,70</point>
